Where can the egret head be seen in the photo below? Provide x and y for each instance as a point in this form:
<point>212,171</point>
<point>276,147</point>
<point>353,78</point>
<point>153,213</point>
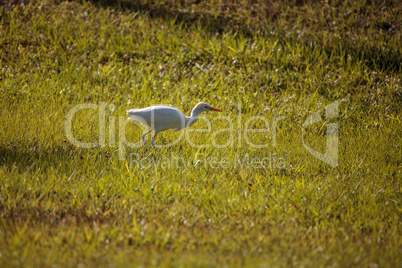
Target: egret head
<point>203,107</point>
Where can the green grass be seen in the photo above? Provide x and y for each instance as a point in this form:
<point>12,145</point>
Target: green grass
<point>66,206</point>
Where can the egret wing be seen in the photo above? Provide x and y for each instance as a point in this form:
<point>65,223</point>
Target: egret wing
<point>167,118</point>
<point>158,117</point>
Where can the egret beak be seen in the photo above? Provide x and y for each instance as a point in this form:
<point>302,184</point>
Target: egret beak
<point>214,109</point>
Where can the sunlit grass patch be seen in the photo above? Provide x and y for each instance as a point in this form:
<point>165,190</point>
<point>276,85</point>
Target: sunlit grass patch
<point>239,188</point>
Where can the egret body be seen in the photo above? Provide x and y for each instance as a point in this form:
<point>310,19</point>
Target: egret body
<point>160,118</point>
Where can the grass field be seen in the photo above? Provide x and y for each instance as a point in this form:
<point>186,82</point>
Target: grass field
<point>229,203</point>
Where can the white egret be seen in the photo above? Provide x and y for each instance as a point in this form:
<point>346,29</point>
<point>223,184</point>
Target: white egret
<point>160,118</point>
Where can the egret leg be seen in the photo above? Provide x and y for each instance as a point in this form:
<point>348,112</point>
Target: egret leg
<point>153,139</point>
<point>143,136</point>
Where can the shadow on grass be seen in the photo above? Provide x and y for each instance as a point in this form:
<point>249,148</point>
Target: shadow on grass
<point>253,18</point>
<point>27,160</point>
<point>221,18</point>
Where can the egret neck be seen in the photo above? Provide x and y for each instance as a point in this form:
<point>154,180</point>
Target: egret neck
<point>194,116</point>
